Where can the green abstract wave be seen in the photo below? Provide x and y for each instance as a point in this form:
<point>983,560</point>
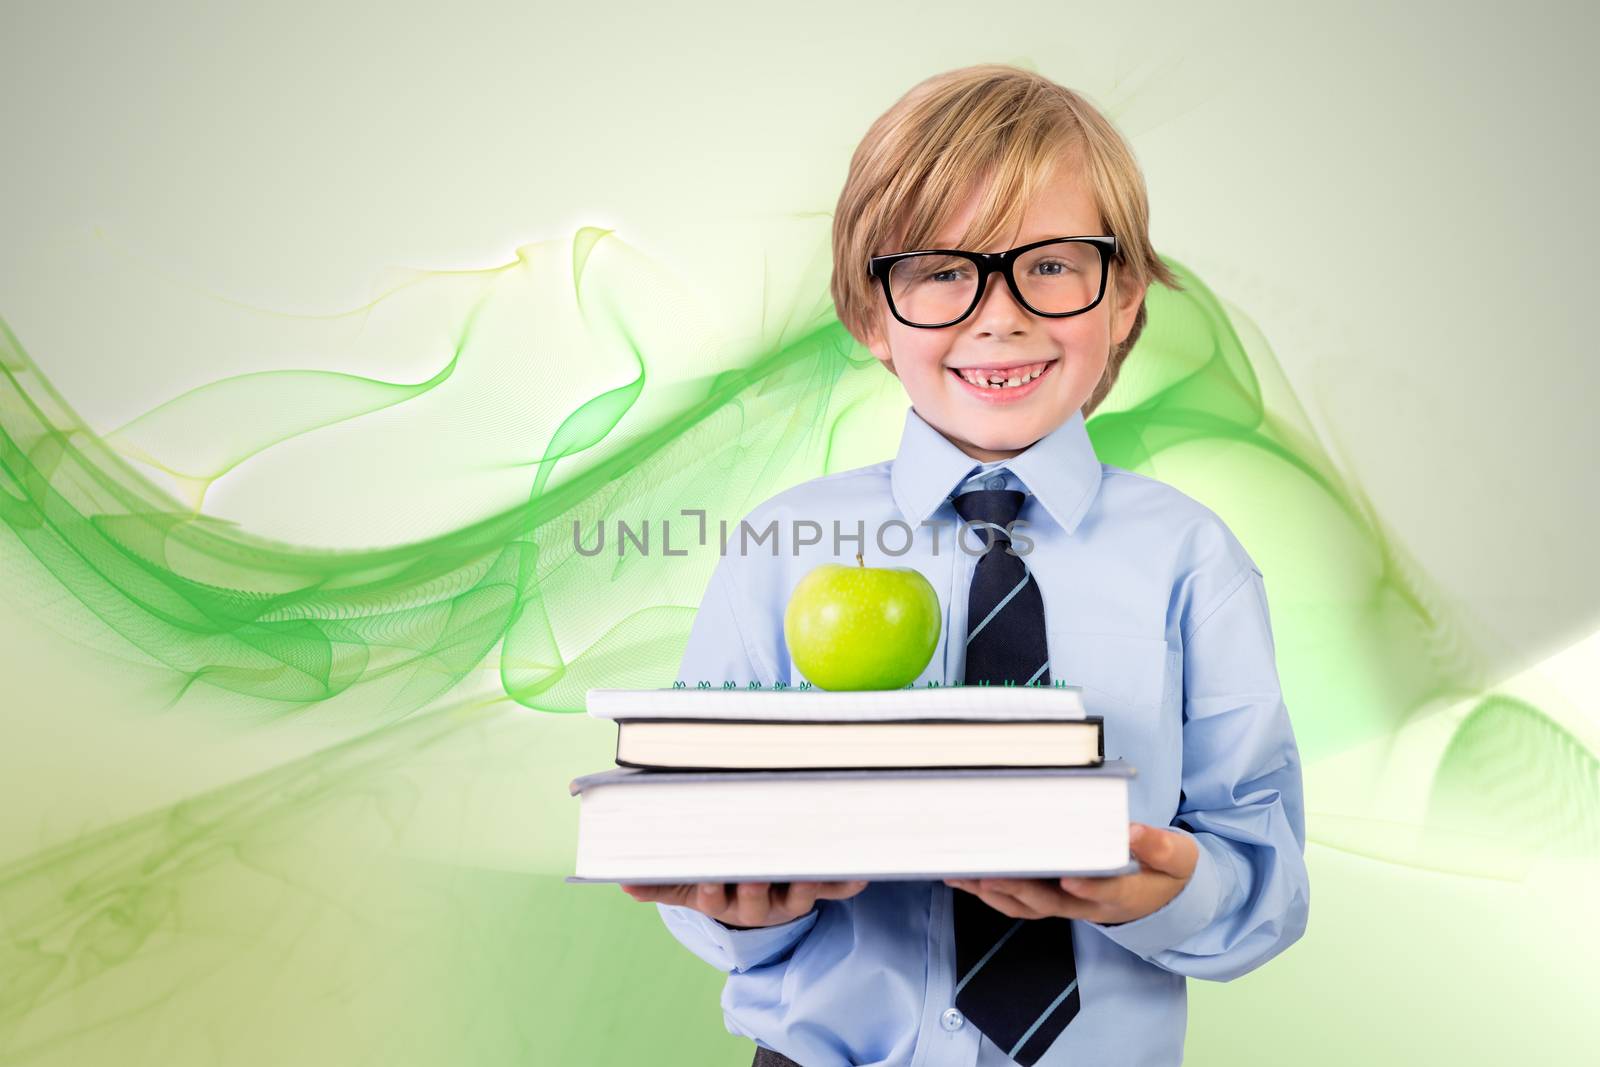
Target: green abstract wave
<point>437,825</point>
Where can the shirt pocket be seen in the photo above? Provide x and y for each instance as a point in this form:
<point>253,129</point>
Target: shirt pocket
<point>1134,683</point>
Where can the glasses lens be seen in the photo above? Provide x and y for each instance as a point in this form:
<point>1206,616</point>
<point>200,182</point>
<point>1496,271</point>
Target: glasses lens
<point>933,289</point>
<point>1064,276</point>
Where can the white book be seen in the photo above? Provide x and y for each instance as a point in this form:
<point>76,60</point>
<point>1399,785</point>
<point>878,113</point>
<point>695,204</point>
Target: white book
<point>961,726</point>
<point>1035,702</point>
<point>643,827</point>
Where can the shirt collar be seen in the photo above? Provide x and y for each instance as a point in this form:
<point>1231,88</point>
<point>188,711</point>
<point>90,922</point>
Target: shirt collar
<point>1061,469</point>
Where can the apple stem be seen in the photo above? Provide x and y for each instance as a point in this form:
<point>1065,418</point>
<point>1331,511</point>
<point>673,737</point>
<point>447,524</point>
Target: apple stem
<point>860,560</point>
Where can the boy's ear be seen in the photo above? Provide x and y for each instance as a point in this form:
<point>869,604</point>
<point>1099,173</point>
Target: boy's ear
<point>1125,306</point>
<point>879,347</point>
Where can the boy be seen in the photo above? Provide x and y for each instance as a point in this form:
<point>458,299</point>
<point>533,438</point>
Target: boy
<point>1129,588</point>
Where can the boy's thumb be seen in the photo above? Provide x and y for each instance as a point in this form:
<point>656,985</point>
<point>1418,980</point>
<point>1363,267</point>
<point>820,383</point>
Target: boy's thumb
<point>1167,851</point>
<point>1146,844</point>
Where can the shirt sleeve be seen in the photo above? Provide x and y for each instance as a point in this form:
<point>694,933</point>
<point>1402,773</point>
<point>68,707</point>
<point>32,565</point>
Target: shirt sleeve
<point>734,951</point>
<point>1241,800</point>
<point>717,652</point>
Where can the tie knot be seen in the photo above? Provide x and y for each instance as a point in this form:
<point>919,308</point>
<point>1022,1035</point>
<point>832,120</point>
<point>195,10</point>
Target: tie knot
<point>999,506</point>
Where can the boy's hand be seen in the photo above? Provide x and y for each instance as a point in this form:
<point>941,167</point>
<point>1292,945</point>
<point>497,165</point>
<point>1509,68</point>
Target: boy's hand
<point>747,903</point>
<point>1167,859</point>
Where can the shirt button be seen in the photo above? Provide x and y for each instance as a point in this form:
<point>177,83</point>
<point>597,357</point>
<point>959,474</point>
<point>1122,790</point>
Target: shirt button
<point>996,481</point>
<point>952,1019</point>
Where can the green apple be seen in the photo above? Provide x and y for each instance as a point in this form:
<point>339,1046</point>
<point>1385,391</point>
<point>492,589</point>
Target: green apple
<point>862,627</point>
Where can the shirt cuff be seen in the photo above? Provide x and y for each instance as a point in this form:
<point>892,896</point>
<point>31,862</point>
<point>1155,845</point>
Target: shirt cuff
<point>1180,918</point>
<point>737,950</point>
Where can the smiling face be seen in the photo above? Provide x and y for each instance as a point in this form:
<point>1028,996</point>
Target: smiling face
<point>1003,339</point>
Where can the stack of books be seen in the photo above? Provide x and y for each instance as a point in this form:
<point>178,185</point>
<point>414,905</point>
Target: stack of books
<point>778,785</point>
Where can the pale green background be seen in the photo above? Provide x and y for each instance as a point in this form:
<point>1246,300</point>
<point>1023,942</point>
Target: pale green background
<point>1398,197</point>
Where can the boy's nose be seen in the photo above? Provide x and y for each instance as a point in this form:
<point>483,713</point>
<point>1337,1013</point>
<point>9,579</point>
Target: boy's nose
<point>997,297</point>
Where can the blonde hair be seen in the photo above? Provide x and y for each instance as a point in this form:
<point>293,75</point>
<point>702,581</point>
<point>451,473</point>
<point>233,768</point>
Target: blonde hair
<point>999,124</point>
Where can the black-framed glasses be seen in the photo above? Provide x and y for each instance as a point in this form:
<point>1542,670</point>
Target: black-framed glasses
<point>933,287</point>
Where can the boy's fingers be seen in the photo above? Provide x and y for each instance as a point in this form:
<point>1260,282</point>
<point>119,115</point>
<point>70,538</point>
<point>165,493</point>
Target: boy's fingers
<point>804,895</point>
<point>750,901</point>
<point>754,902</point>
<point>1096,889</point>
<point>993,893</point>
<point>1006,904</point>
<point>710,898</point>
<point>1040,896</point>
<point>665,894</point>
<point>1045,900</point>
<point>800,898</point>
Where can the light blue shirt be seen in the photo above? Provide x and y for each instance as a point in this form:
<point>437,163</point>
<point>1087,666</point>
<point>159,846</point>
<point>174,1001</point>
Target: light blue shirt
<point>1156,610</point>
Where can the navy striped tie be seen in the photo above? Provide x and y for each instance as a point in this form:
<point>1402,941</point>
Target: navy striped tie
<point>1017,980</point>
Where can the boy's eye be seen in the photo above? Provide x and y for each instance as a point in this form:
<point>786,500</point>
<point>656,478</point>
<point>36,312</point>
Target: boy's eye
<point>942,269</point>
